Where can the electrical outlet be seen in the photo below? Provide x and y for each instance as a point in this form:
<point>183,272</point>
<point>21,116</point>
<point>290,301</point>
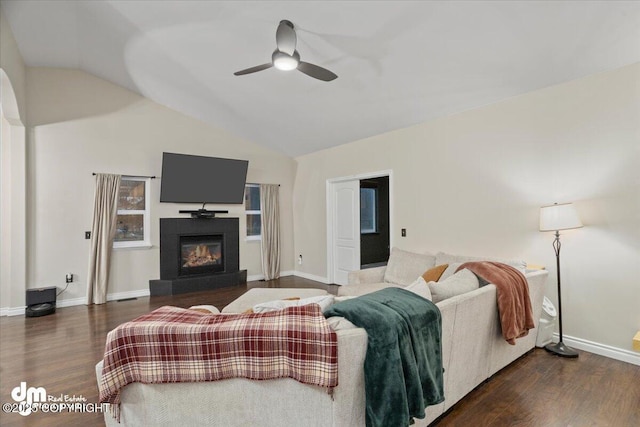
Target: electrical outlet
<point>300,259</point>
<point>403,232</point>
<point>87,234</point>
<point>69,277</point>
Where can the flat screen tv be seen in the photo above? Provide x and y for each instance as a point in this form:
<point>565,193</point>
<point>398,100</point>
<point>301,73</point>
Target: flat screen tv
<point>199,179</point>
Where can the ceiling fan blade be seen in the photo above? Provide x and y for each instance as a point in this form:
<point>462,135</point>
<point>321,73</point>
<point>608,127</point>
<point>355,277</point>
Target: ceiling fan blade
<point>316,72</point>
<point>286,37</point>
<point>253,69</point>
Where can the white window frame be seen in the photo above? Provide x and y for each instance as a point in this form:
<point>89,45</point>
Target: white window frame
<point>253,212</point>
<point>146,215</point>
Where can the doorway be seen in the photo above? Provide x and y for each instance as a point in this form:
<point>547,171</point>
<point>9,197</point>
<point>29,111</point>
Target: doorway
<point>374,222</point>
<point>359,215</point>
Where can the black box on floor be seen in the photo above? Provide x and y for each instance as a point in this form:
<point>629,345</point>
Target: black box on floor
<point>40,301</point>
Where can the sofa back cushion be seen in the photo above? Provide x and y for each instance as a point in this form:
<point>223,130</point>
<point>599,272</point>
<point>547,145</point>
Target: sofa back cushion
<point>405,267</point>
<point>324,301</point>
<point>462,282</point>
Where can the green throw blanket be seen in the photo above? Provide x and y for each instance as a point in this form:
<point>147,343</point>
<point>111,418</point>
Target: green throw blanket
<point>403,364</point>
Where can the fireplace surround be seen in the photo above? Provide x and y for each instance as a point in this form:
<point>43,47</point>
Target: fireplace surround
<point>198,254</point>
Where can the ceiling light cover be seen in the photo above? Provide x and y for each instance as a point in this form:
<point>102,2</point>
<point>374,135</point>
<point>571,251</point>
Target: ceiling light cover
<point>285,62</point>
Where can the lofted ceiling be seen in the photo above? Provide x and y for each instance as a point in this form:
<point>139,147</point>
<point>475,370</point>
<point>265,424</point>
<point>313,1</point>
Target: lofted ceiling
<point>399,63</point>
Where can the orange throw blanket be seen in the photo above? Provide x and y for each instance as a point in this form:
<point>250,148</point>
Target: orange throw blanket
<point>514,303</point>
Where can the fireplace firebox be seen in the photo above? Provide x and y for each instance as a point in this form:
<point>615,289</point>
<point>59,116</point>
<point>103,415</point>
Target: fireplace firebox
<point>198,254</point>
<point>201,255</point>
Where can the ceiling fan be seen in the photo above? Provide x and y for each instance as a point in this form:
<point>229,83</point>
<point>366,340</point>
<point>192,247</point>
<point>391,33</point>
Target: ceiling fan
<point>286,57</point>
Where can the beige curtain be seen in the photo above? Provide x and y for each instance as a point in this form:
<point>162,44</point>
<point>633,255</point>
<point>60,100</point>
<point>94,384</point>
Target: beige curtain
<point>105,209</point>
<point>270,223</point>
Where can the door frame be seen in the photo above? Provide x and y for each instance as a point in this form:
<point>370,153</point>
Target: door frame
<point>331,227</point>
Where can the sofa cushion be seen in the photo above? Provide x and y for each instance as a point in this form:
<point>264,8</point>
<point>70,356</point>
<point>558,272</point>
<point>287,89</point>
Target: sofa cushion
<point>364,288</point>
<point>420,287</point>
<point>324,301</point>
<point>339,323</point>
<point>257,295</point>
<point>461,282</point>
<point>433,274</point>
<point>404,267</point>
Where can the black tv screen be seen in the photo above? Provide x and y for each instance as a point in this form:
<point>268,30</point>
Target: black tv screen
<point>199,179</point>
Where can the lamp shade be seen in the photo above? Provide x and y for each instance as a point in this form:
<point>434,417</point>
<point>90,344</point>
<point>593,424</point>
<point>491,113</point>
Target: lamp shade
<point>559,217</point>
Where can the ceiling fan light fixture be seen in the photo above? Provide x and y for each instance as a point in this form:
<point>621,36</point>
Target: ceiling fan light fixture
<point>287,58</point>
<point>285,62</point>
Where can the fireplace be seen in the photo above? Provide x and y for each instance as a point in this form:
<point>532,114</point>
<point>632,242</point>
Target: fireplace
<point>198,254</point>
<point>201,255</point>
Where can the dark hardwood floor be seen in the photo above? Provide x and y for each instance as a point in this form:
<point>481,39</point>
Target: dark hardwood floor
<point>59,352</point>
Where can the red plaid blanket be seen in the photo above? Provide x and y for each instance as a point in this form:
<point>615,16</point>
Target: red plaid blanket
<point>173,344</point>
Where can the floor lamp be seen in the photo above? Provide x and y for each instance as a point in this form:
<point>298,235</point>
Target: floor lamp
<point>555,218</point>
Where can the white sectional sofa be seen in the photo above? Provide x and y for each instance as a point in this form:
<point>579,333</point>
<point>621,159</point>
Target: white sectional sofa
<point>473,350</point>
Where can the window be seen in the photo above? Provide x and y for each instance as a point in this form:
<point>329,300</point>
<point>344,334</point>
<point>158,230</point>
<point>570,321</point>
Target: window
<point>132,229</point>
<point>252,210</point>
<point>368,210</point>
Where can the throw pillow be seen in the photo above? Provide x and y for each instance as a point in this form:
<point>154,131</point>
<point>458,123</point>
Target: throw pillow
<point>433,274</point>
<point>420,287</point>
<point>462,282</point>
<point>404,266</point>
<point>449,271</point>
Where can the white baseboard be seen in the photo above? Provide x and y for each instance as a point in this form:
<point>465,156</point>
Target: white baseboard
<point>19,311</point>
<point>71,302</point>
<point>110,297</point>
<point>601,349</point>
<point>129,294</point>
<point>320,279</point>
<point>256,277</point>
<point>311,277</point>
<point>12,311</point>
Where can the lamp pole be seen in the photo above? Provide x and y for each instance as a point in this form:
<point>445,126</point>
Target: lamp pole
<point>559,348</point>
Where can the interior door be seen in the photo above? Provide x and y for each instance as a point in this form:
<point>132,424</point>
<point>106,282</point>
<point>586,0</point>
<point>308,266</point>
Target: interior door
<point>346,241</point>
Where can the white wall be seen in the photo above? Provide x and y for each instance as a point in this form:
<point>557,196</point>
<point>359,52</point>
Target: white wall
<point>5,213</point>
<point>12,171</point>
<point>81,124</point>
<point>12,63</point>
<point>472,183</point>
